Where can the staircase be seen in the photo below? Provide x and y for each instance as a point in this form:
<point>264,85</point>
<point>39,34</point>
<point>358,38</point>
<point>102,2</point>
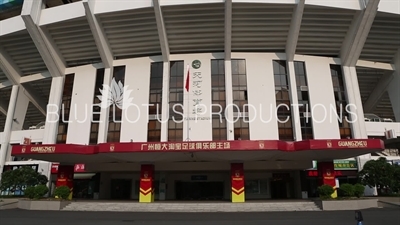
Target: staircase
<point>193,206</point>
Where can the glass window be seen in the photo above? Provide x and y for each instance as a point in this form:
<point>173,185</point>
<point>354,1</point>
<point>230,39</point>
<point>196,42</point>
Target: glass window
<point>303,97</point>
<point>154,131</point>
<point>65,108</point>
<point>218,98</point>
<point>282,100</point>
<point>341,101</point>
<point>252,186</point>
<point>96,109</point>
<point>155,99</point>
<point>175,130</point>
<point>115,114</point>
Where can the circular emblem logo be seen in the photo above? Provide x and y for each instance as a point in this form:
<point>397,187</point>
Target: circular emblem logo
<point>328,172</point>
<point>23,149</point>
<point>329,144</point>
<point>112,147</point>
<point>237,174</point>
<point>261,145</point>
<point>196,64</point>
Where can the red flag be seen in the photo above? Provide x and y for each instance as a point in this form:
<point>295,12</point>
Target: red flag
<point>27,141</point>
<point>187,80</point>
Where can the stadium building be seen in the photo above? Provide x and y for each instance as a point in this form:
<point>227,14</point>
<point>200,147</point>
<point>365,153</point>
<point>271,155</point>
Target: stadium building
<point>199,100</point>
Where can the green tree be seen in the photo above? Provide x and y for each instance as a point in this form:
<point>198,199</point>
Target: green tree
<point>395,184</point>
<point>378,173</point>
<point>24,176</point>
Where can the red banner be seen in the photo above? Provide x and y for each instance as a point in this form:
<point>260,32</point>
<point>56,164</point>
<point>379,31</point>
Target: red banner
<point>243,145</point>
<point>55,149</point>
<point>338,173</point>
<point>65,176</point>
<point>364,145</point>
<point>237,178</point>
<point>326,172</point>
<point>146,179</point>
<point>78,168</point>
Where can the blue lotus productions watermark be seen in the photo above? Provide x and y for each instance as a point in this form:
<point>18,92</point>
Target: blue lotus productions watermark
<point>132,113</point>
<point>116,100</point>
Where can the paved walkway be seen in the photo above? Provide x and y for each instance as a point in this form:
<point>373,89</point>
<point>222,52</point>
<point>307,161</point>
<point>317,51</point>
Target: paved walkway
<point>24,217</point>
<point>193,207</point>
<point>8,203</point>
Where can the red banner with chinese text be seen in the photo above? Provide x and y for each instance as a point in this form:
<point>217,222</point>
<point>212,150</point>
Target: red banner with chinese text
<point>78,168</point>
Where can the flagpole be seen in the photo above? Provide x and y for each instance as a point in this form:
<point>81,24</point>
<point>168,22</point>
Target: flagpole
<point>187,101</point>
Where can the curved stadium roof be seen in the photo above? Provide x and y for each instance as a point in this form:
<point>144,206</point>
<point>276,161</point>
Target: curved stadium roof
<point>87,32</point>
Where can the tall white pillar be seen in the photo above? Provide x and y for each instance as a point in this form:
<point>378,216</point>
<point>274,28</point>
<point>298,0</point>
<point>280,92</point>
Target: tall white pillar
<point>104,112</point>
<point>81,110</point>
<point>7,128</point>
<point>53,110</point>
<point>21,107</point>
<point>354,99</point>
<point>394,90</point>
<point>229,101</point>
<point>165,100</point>
<point>294,100</point>
<point>394,94</point>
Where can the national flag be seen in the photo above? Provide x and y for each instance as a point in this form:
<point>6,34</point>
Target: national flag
<point>187,80</point>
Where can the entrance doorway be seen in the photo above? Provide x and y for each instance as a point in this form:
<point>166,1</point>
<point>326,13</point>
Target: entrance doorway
<point>199,190</point>
<point>279,189</point>
<point>282,186</point>
<point>121,189</point>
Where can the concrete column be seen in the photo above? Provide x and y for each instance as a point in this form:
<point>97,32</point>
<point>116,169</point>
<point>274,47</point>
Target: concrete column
<point>358,128</point>
<point>21,107</point>
<point>105,186</point>
<point>7,128</point>
<point>165,100</point>
<point>354,100</point>
<point>81,109</point>
<point>393,89</point>
<point>163,186</point>
<point>53,110</point>
<point>326,175</point>
<point>146,190</point>
<point>297,183</point>
<point>294,100</point>
<point>65,177</point>
<point>237,182</point>
<point>104,112</point>
<point>229,101</point>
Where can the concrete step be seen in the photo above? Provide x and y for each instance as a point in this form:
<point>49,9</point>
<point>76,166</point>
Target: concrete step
<point>192,207</point>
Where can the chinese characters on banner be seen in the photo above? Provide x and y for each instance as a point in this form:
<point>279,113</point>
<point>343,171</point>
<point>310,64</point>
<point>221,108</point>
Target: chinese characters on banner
<point>345,164</point>
<point>197,89</point>
<point>186,146</point>
<point>79,168</point>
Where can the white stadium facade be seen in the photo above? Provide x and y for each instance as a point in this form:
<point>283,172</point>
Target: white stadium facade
<point>199,99</point>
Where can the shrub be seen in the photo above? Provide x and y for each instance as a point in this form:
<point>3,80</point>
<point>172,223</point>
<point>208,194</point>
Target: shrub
<point>40,191</point>
<point>30,192</point>
<point>325,191</point>
<point>346,190</point>
<point>62,192</point>
<point>359,190</point>
<point>13,180</point>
